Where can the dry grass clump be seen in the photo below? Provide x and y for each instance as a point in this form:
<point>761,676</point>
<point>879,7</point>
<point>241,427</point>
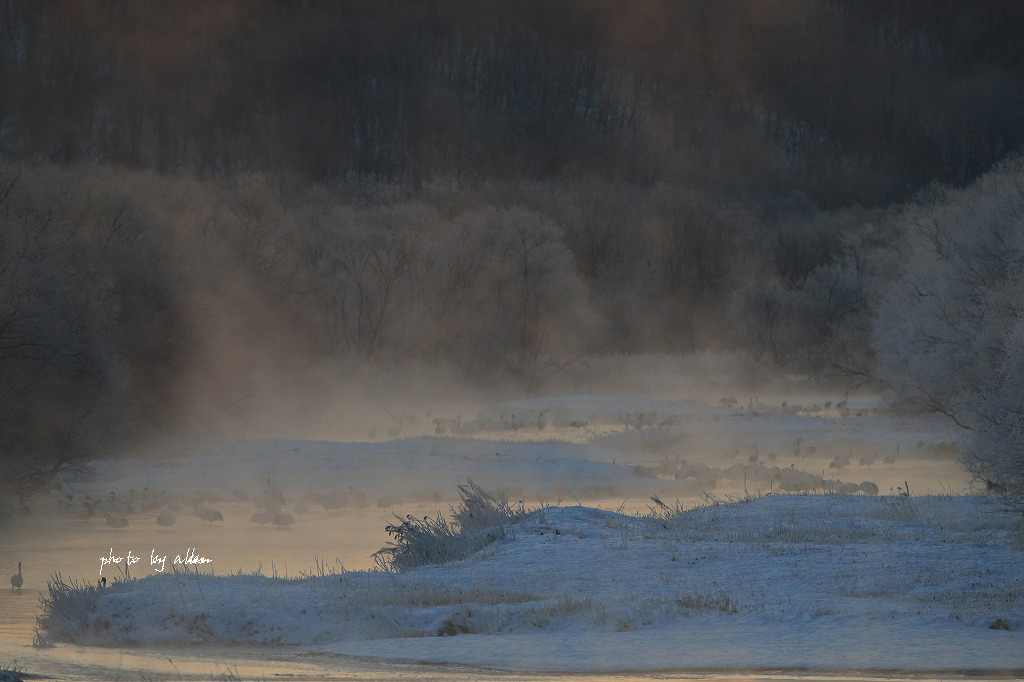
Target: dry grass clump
<point>63,608</point>
<point>480,519</point>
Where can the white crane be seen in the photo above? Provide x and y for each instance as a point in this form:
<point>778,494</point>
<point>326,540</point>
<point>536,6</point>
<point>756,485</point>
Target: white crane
<point>262,517</point>
<point>282,520</point>
<point>209,515</point>
<point>116,521</point>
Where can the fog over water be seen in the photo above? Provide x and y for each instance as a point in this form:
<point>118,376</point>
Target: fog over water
<point>276,278</point>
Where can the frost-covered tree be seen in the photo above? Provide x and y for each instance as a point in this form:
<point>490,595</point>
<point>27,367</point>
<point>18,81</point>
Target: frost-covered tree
<point>812,302</point>
<point>996,410</point>
<point>950,330</point>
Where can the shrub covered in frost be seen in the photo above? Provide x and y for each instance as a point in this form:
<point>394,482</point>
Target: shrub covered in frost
<point>480,519</point>
<point>67,606</point>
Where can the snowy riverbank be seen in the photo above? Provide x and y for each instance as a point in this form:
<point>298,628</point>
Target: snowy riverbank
<point>822,582</point>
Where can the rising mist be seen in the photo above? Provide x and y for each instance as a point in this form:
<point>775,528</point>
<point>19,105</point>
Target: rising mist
<point>279,218</point>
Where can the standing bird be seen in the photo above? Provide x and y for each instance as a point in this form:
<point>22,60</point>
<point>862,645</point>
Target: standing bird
<point>209,515</point>
<point>116,521</point>
<point>262,517</point>
<point>16,579</point>
<point>282,520</point>
<point>274,493</point>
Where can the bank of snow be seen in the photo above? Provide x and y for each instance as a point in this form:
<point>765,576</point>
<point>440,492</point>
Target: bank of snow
<point>825,582</point>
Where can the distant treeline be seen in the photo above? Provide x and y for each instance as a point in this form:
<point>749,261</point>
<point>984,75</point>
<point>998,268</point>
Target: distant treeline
<point>842,101</point>
<point>133,302</point>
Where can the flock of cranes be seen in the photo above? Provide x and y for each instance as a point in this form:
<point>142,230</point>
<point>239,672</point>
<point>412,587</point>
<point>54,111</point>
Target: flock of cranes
<point>270,502</point>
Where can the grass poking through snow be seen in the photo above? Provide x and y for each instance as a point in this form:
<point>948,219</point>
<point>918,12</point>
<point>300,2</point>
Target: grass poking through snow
<point>480,519</point>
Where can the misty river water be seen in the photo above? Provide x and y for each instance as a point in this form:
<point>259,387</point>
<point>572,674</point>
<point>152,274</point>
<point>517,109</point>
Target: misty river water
<point>48,545</point>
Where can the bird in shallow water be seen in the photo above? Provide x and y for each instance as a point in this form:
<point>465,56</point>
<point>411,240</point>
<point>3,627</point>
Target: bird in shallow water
<point>282,520</point>
<point>116,521</point>
<point>262,518</point>
<point>16,579</point>
<point>272,492</point>
<point>209,515</point>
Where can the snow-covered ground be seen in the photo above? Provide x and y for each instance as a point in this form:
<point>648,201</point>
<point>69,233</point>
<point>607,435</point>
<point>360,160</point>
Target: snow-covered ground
<point>825,582</point>
<point>806,579</point>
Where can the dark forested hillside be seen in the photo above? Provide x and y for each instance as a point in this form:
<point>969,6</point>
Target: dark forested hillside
<point>844,100</point>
